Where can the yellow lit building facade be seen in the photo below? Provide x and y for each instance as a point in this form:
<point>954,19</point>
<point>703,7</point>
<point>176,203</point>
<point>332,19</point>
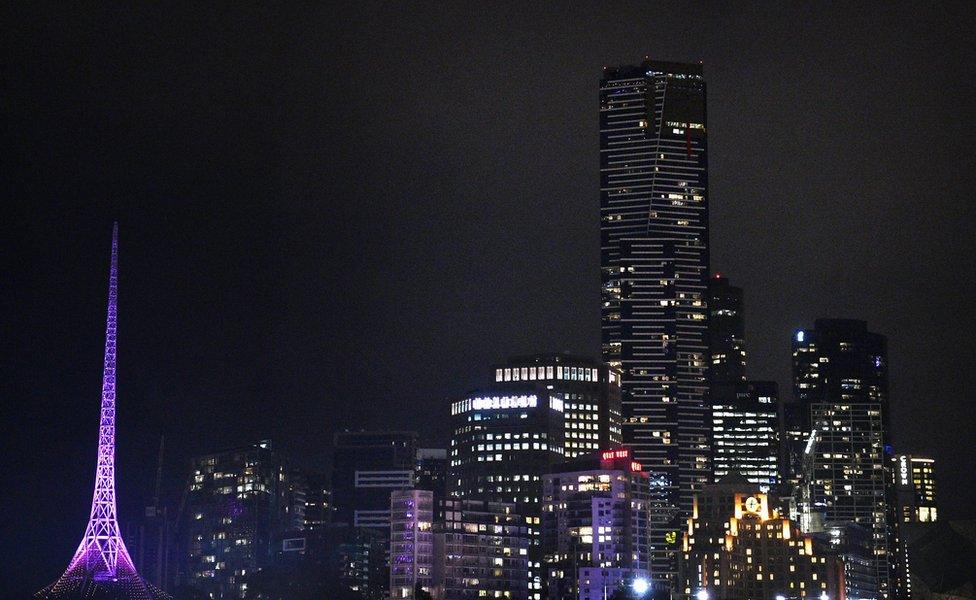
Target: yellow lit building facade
<point>736,547</point>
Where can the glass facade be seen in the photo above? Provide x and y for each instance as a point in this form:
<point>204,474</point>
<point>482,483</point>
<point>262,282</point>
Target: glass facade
<point>840,380</point>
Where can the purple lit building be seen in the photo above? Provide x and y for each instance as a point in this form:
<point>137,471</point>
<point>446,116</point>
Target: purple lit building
<point>411,542</point>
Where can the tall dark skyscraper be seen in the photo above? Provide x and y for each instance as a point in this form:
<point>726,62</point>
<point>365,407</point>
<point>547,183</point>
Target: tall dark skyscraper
<point>726,331</point>
<point>654,272</point>
<point>368,465</point>
<point>745,415</point>
<point>840,379</point>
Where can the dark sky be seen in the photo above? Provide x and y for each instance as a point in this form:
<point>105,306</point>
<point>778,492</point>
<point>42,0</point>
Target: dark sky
<point>338,220</point>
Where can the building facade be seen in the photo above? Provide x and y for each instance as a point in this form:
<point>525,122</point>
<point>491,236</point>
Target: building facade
<point>411,542</point>
<point>746,431</point>
<point>318,502</point>
<point>482,552</point>
<point>726,331</point>
<point>654,273</point>
<point>916,511</point>
<point>367,467</point>
<point>431,474</point>
<point>736,547</point>
<point>238,503</point>
<point>590,391</point>
<point>840,378</point>
<point>503,442</point>
<point>331,561</point>
<point>595,517</point>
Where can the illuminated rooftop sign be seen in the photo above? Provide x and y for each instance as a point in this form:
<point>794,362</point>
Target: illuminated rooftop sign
<point>615,454</point>
<point>494,403</point>
<point>619,455</point>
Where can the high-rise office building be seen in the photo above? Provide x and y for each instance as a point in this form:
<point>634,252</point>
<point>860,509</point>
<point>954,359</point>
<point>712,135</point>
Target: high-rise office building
<point>915,511</point>
<point>431,474</point>
<point>654,274</point>
<point>745,431</point>
<point>367,466</point>
<point>852,544</point>
<point>503,442</point>
<point>537,411</point>
<point>238,504</point>
<point>745,415</point>
<point>840,379</point>
<point>589,388</point>
<point>914,488</point>
<point>594,525</point>
<point>726,331</point>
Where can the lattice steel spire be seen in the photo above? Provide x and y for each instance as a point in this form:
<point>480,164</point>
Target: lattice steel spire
<point>101,567</point>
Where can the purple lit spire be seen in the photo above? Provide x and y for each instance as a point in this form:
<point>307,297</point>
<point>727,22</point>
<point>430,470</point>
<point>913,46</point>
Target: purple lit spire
<point>101,567</point>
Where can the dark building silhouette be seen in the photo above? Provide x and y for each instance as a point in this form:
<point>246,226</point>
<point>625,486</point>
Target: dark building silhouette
<point>654,274</point>
<point>840,380</point>
<point>237,505</point>
<point>431,475</point>
<point>366,467</point>
<point>726,331</point>
<point>319,508</point>
<point>331,561</point>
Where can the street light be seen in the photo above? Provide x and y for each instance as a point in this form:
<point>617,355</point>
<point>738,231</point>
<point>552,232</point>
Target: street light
<point>640,586</point>
<point>702,595</point>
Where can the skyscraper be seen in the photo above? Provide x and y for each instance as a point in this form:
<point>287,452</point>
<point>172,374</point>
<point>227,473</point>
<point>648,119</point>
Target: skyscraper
<point>238,503</point>
<point>745,415</point>
<point>654,272</point>
<point>501,446</point>
<point>840,379</point>
<point>916,513</point>
<point>590,391</point>
<point>368,465</point>
<point>745,431</point>
<point>101,567</point>
<point>726,331</point>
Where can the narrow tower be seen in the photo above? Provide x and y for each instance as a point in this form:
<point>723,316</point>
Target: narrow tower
<point>654,266</point>
<point>101,567</point>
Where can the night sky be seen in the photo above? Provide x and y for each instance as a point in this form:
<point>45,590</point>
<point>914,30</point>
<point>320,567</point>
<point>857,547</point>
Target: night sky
<point>338,220</point>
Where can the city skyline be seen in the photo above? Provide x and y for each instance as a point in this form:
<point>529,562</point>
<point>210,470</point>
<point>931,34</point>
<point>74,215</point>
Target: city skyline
<point>239,271</point>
